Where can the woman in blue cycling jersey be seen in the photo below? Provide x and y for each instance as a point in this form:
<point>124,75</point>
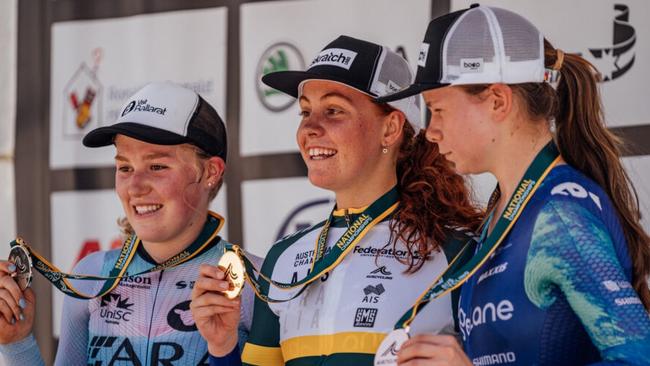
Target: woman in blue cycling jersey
<point>562,265</point>
<point>170,156</point>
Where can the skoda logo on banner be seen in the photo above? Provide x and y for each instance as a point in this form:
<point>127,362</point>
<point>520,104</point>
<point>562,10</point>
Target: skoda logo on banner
<point>614,61</point>
<point>305,216</point>
<point>281,56</point>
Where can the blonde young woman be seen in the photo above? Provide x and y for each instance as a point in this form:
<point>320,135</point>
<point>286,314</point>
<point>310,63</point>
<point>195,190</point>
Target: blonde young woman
<point>566,284</point>
<point>170,157</point>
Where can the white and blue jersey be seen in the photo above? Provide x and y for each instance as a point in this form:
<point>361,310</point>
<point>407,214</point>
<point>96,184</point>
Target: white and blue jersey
<point>557,291</point>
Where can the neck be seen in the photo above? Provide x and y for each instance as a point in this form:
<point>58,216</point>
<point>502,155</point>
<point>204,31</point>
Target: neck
<point>514,158</point>
<point>364,195</point>
<point>162,251</point>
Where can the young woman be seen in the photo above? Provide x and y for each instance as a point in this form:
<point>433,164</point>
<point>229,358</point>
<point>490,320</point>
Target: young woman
<point>394,185</point>
<point>567,284</point>
<point>170,157</point>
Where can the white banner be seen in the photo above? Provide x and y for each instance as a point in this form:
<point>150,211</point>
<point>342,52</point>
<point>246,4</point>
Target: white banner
<point>97,64</point>
<point>86,221</point>
<point>275,208</point>
<point>610,34</point>
<point>287,35</point>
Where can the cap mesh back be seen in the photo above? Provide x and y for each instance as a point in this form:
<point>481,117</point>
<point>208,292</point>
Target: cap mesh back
<point>470,39</point>
<point>520,37</point>
<point>394,70</point>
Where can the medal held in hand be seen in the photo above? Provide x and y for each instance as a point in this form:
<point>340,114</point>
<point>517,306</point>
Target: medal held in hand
<point>235,273</point>
<point>19,256</point>
<point>389,348</point>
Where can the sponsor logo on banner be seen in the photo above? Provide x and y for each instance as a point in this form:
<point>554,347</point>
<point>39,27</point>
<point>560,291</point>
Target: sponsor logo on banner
<point>280,56</point>
<point>114,309</point>
<point>339,57</point>
<point>614,60</point>
<point>82,97</point>
<point>365,317</point>
<point>180,317</point>
<point>488,313</point>
<point>296,221</point>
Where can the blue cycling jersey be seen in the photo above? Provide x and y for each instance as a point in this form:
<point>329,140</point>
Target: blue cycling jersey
<point>557,291</point>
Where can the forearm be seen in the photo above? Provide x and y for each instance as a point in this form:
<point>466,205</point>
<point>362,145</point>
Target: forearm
<point>23,352</point>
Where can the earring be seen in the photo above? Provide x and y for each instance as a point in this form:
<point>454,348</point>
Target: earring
<point>384,150</point>
<point>210,184</point>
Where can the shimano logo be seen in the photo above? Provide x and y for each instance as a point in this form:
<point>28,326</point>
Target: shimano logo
<point>495,359</point>
<point>632,300</point>
<point>335,57</point>
<point>468,65</point>
<point>492,271</point>
<point>488,313</point>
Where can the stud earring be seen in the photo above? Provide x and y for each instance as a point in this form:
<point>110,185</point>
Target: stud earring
<point>384,150</point>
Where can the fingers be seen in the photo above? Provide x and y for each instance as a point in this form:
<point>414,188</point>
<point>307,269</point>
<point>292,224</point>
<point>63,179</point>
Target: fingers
<point>215,299</point>
<point>432,348</point>
<point>7,268</point>
<point>7,312</point>
<point>12,296</point>
<point>211,279</point>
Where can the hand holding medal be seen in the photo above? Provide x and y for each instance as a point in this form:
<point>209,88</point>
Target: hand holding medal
<point>16,299</point>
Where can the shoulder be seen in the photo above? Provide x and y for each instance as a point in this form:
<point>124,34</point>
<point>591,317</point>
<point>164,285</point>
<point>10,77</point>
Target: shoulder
<point>281,246</point>
<point>94,262</point>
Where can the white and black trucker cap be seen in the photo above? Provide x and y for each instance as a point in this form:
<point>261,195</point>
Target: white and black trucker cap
<point>478,45</point>
<point>165,113</point>
<point>368,67</point>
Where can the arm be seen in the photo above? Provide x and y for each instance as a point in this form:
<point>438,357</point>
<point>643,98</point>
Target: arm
<point>73,341</point>
<point>571,249</point>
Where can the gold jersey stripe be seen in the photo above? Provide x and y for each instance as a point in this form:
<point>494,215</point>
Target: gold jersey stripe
<point>261,355</point>
<point>318,345</point>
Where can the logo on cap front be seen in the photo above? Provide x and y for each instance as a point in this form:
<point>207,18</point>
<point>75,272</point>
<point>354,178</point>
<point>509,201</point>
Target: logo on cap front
<point>128,108</point>
<point>468,65</point>
<point>335,57</point>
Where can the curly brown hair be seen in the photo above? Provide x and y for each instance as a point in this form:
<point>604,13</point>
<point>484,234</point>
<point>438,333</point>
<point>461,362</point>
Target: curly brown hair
<point>434,200</point>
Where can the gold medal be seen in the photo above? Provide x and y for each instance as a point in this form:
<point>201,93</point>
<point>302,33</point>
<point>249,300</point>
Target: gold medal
<point>19,256</point>
<point>235,273</point>
<point>389,348</point>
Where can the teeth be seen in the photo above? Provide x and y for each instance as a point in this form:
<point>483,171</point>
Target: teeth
<point>321,153</point>
<point>147,209</point>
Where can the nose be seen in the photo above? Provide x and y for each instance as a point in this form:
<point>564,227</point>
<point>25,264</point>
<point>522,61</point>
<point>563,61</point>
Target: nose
<point>433,134</point>
<point>311,126</point>
<point>138,184</point>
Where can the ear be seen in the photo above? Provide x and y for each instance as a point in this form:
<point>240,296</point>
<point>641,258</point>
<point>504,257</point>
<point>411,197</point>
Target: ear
<point>214,169</point>
<point>393,126</point>
<point>500,101</point>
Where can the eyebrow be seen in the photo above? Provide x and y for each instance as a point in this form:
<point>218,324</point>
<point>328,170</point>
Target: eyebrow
<point>329,95</point>
<point>152,156</point>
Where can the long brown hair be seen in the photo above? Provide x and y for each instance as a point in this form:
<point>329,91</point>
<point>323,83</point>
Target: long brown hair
<point>586,144</point>
<point>433,199</point>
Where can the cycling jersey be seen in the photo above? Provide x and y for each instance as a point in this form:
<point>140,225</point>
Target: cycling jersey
<point>342,317</point>
<point>557,291</point>
<point>145,320</point>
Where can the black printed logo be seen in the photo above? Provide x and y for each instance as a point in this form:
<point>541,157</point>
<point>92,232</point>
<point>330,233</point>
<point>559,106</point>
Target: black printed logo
<point>381,273</point>
<point>129,107</point>
<point>365,317</point>
<point>114,309</point>
<point>180,318</point>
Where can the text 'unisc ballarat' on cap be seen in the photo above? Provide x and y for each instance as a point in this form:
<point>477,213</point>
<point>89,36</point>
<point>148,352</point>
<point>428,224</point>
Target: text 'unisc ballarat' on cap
<point>165,113</point>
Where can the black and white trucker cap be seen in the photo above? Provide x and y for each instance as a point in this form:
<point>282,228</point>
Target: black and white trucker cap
<point>368,67</point>
<point>165,113</point>
<point>478,45</point>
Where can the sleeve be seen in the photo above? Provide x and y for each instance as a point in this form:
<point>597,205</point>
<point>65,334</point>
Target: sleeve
<point>231,359</point>
<point>263,345</point>
<point>73,342</point>
<point>572,250</point>
<point>23,352</point>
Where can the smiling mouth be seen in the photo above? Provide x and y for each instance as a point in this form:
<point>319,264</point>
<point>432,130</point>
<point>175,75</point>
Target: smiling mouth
<point>319,153</point>
<point>146,209</point>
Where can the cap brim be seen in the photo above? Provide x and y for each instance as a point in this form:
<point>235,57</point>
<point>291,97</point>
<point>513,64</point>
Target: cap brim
<point>413,89</point>
<point>104,136</point>
<point>289,81</point>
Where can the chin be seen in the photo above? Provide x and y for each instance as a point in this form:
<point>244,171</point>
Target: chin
<point>321,181</point>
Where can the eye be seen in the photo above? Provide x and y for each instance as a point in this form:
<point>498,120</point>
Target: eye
<point>123,168</point>
<point>333,112</point>
<point>157,167</point>
<point>303,113</point>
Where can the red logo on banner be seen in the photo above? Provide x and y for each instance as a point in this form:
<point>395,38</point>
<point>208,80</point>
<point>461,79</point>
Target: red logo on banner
<point>91,246</point>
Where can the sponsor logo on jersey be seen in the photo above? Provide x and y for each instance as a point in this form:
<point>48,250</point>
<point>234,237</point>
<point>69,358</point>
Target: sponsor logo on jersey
<point>180,285</point>
<point>372,293</point>
<point>492,271</point>
<point>365,317</point>
<point>180,318</point>
<point>632,300</point>
<point>162,353</point>
<point>495,359</point>
<point>381,252</point>
<point>140,282</point>
<point>114,309</point>
<point>381,273</point>
<point>614,286</point>
<point>480,315</point>
<point>575,190</point>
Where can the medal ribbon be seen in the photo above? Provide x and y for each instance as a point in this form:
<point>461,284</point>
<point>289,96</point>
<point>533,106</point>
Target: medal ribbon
<point>325,262</point>
<point>456,274</point>
<point>60,279</point>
